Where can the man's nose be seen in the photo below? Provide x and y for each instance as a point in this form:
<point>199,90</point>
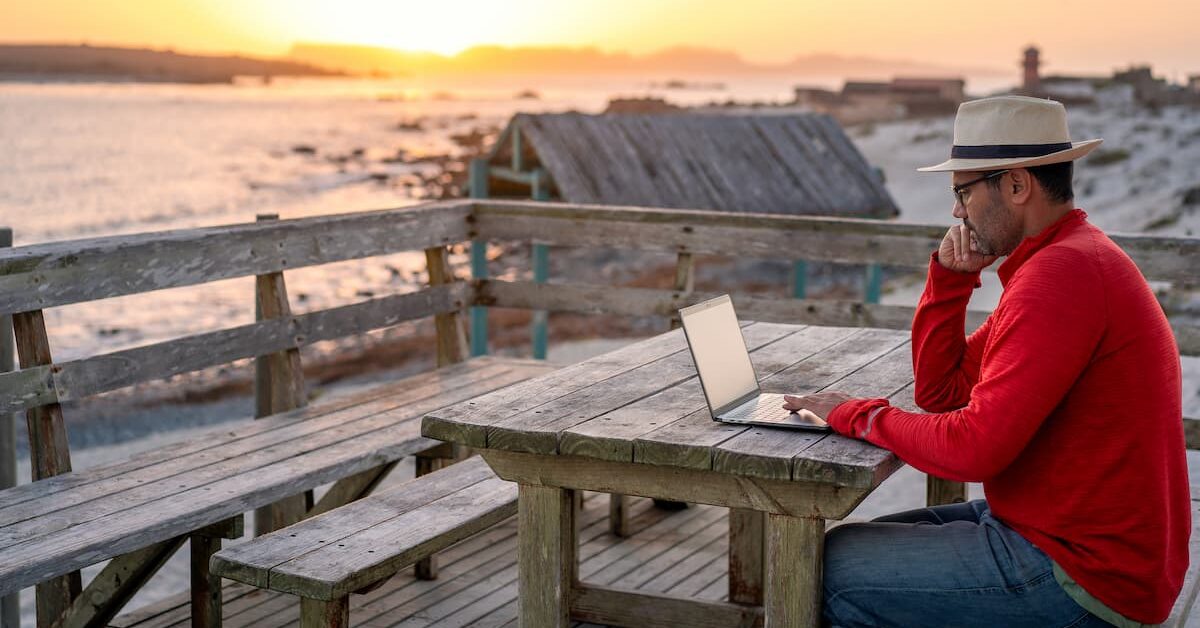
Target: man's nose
<point>958,211</point>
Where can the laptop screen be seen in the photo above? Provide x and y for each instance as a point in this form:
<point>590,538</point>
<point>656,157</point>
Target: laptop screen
<point>719,351</point>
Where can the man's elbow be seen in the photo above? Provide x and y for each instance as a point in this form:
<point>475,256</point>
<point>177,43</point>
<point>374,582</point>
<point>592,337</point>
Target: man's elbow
<point>937,399</point>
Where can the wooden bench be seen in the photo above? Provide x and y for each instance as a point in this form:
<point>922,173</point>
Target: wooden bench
<point>55,526</point>
<point>359,546</point>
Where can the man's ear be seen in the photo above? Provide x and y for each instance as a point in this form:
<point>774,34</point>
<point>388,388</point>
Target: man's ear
<point>1020,185</point>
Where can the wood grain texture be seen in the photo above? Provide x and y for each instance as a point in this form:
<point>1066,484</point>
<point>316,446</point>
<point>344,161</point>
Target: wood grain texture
<point>467,423</point>
<point>795,548</point>
<point>60,273</point>
<point>156,510</point>
<point>622,607</point>
<point>849,240</point>
<point>253,562</point>
<point>689,441</point>
<point>78,379</point>
<point>322,614</point>
<point>538,429</point>
<point>116,584</point>
<point>747,542</point>
<point>939,491</point>
<point>451,338</point>
<point>546,553</point>
<point>677,484</point>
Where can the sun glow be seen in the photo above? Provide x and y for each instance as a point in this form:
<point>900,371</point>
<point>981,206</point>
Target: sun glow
<point>442,27</point>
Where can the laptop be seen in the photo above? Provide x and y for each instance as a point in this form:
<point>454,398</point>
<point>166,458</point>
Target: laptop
<point>726,376</point>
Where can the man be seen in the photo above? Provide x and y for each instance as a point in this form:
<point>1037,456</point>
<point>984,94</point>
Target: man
<point>1065,404</point>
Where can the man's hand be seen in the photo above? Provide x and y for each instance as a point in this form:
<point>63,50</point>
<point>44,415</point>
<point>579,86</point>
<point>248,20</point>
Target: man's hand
<point>957,251</point>
<point>820,404</point>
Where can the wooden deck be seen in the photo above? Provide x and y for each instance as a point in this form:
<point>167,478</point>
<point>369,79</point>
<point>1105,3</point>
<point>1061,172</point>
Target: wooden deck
<point>682,552</point>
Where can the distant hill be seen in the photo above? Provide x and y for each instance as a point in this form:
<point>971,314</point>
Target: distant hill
<point>549,60</point>
<point>135,64</point>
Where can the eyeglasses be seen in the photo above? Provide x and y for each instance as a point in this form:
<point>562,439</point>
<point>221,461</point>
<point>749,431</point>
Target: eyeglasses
<point>960,189</point>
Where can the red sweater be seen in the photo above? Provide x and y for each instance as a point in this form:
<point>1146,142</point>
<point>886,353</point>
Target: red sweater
<point>1066,404</point>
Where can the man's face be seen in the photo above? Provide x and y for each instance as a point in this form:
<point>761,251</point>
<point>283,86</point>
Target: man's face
<point>994,227</point>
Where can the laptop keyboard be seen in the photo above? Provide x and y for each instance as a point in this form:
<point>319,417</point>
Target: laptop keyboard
<point>764,410</point>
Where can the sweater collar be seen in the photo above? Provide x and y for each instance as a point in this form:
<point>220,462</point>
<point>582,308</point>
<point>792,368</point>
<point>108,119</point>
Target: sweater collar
<point>1031,245</point>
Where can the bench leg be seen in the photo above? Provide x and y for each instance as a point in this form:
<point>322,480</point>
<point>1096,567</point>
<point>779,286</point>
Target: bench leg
<point>548,568</point>
<point>618,515</point>
<point>795,549</point>
<point>427,568</point>
<point>206,587</point>
<point>939,491</point>
<point>323,614</point>
<point>746,528</point>
<point>115,585</point>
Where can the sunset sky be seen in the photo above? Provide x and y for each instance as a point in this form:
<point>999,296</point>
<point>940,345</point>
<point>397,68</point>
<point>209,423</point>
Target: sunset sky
<point>1075,35</point>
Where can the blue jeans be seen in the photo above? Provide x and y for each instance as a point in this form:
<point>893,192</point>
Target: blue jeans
<point>951,565</point>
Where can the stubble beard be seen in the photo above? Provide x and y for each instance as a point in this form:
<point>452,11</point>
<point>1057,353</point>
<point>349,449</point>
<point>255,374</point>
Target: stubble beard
<point>1000,236</point>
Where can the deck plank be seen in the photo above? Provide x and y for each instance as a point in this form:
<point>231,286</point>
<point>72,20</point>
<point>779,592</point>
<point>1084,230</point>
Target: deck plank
<point>477,582</point>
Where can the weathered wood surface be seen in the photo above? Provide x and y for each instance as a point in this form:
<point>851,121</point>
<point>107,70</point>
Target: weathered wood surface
<point>88,522</point>
<point>810,499</point>
<point>747,566</point>
<point>599,299</point>
<point>616,435</point>
<point>548,545</point>
<point>60,273</point>
<point>619,607</point>
<point>466,423</point>
<point>356,546</point>
<point>538,429</point>
<point>680,553</point>
<point>801,163</point>
<point>77,379</point>
<point>652,411</point>
<point>794,548</point>
<point>372,401</point>
<point>116,584</point>
<point>50,455</point>
<point>278,387</point>
<point>451,338</point>
<point>847,240</point>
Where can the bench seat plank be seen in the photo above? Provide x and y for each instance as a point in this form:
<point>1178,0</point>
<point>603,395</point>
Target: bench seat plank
<point>63,535</point>
<point>353,547</point>
<point>378,399</point>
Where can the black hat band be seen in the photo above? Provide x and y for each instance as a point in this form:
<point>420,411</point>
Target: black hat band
<point>1006,151</point>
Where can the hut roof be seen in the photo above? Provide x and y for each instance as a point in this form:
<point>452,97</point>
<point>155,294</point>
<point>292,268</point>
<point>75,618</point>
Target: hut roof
<point>782,164</point>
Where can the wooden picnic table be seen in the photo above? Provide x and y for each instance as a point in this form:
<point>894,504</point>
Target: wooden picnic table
<point>634,422</point>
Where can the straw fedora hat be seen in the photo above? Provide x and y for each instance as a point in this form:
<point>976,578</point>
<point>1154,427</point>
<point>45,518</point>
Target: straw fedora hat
<point>1011,132</point>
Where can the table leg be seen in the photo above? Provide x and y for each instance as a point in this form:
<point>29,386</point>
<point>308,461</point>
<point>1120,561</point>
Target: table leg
<point>795,547</point>
<point>546,555</point>
<point>746,529</point>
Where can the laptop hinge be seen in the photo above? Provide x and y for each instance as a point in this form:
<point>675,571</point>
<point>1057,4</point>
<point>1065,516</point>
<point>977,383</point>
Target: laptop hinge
<point>737,402</point>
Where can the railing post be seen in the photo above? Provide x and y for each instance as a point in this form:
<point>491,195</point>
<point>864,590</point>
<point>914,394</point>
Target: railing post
<point>49,454</point>
<point>278,387</point>
<point>541,269</point>
<point>799,279</point>
<point>479,317</point>
<point>873,283</point>
<point>450,343</point>
<point>10,605</point>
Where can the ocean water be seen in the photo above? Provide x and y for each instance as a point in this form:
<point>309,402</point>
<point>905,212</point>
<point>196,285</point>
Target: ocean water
<point>85,160</point>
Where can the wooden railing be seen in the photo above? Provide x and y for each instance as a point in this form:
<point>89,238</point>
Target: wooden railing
<point>48,275</point>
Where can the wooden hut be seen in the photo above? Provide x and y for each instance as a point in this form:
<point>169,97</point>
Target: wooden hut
<point>776,164</point>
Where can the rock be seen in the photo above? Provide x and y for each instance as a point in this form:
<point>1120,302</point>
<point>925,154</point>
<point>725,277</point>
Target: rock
<point>1191,196</point>
<point>304,149</point>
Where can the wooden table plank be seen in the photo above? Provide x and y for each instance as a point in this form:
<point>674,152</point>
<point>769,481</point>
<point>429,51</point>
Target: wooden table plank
<point>768,452</point>
<point>611,435</point>
<point>466,422</point>
<point>537,430</point>
<point>687,442</point>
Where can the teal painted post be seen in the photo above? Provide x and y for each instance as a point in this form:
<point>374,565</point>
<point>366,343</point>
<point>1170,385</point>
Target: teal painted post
<point>10,605</point>
<point>799,279</point>
<point>873,284</point>
<point>479,317</point>
<point>541,271</point>
<point>518,161</point>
